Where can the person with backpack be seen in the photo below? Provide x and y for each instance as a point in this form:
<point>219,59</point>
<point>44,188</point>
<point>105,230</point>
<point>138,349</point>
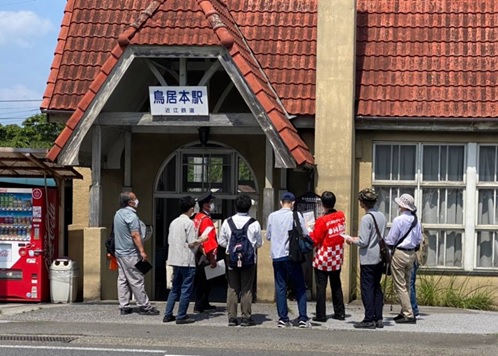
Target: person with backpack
<point>328,257</point>
<point>371,224</point>
<point>240,234</point>
<point>183,243</point>
<point>280,222</point>
<point>129,250</point>
<point>206,254</point>
<point>405,236</point>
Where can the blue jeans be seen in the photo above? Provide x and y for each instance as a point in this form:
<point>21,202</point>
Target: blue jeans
<point>183,278</point>
<point>413,291</point>
<point>284,270</point>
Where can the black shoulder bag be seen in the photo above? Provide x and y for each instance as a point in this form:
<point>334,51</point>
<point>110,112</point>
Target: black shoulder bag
<point>299,244</point>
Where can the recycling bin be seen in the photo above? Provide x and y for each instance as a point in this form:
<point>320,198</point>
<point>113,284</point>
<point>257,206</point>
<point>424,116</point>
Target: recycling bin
<point>63,283</point>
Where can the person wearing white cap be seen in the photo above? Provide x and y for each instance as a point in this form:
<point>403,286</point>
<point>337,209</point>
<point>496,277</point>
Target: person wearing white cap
<point>405,235</point>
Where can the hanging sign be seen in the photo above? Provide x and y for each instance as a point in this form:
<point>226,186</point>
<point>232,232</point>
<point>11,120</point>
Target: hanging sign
<point>178,101</point>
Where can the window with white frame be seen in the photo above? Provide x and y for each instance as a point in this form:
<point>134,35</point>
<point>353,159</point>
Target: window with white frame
<point>434,175</point>
<point>487,207</point>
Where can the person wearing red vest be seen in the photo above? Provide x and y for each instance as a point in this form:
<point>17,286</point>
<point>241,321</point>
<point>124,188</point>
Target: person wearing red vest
<point>328,258</point>
<point>206,255</point>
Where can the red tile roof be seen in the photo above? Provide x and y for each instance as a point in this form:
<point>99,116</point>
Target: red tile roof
<point>414,58</point>
<point>427,59</point>
<point>175,22</point>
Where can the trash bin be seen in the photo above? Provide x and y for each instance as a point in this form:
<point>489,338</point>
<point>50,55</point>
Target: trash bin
<point>63,284</point>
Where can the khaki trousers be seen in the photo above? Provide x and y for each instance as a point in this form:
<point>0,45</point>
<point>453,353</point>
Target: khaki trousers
<point>240,282</point>
<point>401,269</point>
<point>131,280</point>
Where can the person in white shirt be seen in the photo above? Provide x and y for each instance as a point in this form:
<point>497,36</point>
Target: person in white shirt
<point>405,235</point>
<point>241,278</point>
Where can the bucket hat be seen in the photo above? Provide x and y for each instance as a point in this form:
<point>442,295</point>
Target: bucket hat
<point>406,201</point>
<point>367,194</point>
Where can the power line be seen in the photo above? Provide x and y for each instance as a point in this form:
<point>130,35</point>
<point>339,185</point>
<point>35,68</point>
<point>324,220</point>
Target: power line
<point>19,101</point>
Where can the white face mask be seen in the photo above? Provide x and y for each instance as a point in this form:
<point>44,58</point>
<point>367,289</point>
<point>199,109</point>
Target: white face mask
<point>136,203</point>
<point>211,207</point>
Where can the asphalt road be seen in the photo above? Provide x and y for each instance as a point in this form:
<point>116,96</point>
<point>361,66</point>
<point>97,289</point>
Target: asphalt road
<point>98,329</point>
<point>126,339</point>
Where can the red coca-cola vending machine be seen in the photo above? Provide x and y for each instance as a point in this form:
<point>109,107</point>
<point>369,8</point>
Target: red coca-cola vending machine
<point>28,242</point>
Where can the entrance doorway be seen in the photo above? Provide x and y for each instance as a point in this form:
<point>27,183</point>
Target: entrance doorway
<point>192,170</point>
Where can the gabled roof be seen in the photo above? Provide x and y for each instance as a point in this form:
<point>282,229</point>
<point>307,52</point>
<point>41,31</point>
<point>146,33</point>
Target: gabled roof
<point>427,59</point>
<point>173,22</point>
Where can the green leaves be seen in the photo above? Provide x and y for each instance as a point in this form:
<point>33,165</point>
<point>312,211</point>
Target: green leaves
<point>35,132</point>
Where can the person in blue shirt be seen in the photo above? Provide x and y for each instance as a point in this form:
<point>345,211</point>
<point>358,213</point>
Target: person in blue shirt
<point>405,235</point>
<point>130,250</point>
<point>277,231</point>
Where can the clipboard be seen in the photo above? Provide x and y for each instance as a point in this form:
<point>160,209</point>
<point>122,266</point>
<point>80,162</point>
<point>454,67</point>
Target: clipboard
<point>143,266</point>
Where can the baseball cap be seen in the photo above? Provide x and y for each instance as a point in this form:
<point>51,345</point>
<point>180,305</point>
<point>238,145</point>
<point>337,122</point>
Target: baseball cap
<point>288,196</point>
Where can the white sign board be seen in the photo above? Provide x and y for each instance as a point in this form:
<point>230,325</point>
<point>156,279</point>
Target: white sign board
<point>178,101</point>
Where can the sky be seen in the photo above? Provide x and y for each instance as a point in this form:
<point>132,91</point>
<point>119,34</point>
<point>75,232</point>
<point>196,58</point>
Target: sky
<point>28,36</point>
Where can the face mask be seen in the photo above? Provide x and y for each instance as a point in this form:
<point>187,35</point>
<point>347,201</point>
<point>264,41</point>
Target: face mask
<point>211,207</point>
<point>136,203</point>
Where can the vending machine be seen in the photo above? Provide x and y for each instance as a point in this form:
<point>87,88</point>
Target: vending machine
<point>28,242</point>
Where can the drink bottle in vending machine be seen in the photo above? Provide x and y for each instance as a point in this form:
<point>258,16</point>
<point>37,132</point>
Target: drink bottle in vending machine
<point>28,242</point>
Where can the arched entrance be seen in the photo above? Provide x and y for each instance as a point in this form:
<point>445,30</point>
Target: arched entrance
<point>191,170</point>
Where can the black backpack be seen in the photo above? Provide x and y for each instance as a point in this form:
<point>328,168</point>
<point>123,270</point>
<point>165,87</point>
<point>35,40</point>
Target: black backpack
<point>110,244</point>
<point>240,250</point>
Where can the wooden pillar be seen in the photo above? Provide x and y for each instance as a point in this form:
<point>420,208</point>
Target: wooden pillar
<point>268,191</point>
<point>127,162</point>
<point>96,187</point>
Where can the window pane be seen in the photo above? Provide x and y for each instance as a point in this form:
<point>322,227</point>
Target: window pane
<point>407,162</point>
<point>487,249</point>
<point>382,162</point>
<point>203,172</point>
<point>431,163</point>
<point>386,196</point>
<point>395,162</point>
<point>430,206</point>
<point>443,163</point>
<point>487,163</point>
<point>455,163</point>
<point>442,206</point>
<point>487,207</point>
<point>452,207</point>
<point>445,248</point>
<point>453,249</point>
<point>246,183</point>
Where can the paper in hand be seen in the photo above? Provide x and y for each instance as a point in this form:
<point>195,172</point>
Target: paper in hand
<point>215,272</point>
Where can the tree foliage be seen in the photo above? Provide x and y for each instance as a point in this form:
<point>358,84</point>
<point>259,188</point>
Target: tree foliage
<point>35,132</point>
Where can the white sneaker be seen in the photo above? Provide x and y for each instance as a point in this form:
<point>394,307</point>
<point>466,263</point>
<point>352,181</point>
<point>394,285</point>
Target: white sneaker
<point>304,324</point>
<point>284,324</point>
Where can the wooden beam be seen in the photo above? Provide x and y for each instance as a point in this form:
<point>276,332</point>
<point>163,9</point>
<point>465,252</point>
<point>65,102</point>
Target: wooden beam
<point>156,73</point>
<point>209,73</point>
<point>146,119</point>
<point>223,96</point>
<point>183,71</point>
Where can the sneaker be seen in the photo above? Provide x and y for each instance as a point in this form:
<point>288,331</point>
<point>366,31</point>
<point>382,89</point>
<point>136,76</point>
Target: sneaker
<point>198,311</point>
<point>365,325</point>
<point>169,318</point>
<point>304,324</point>
<point>379,324</point>
<point>150,311</point>
<point>321,320</point>
<point>338,317</point>
<point>247,322</point>
<point>405,320</point>
<point>187,320</point>
<point>284,324</point>
<point>399,316</point>
<point>126,311</point>
<point>233,322</point>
